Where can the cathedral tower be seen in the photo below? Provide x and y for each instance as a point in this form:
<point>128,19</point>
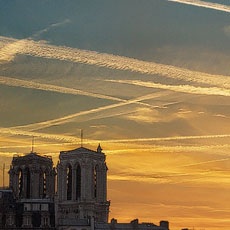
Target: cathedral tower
<point>32,177</point>
<point>82,186</point>
<point>32,182</point>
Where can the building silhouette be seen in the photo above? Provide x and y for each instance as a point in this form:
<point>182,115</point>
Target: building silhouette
<point>80,202</point>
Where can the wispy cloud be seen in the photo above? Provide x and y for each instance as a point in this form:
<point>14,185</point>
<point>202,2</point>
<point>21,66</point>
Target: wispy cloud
<point>40,49</point>
<point>8,52</point>
<point>220,115</point>
<point>40,32</point>
<point>200,176</point>
<point>227,30</point>
<point>210,5</point>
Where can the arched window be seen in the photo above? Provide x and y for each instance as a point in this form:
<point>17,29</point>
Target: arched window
<point>95,181</point>
<point>20,182</point>
<point>43,184</point>
<point>78,182</point>
<point>28,183</point>
<point>69,182</point>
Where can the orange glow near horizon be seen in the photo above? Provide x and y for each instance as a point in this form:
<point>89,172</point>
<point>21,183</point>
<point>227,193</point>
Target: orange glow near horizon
<point>153,184</point>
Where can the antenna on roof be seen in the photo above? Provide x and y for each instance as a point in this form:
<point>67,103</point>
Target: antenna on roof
<point>32,145</point>
<point>81,137</point>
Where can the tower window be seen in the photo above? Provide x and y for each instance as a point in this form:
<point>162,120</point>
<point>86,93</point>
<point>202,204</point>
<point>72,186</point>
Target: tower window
<point>28,183</point>
<point>95,181</point>
<point>20,182</point>
<point>69,183</point>
<point>78,182</point>
<point>44,185</point>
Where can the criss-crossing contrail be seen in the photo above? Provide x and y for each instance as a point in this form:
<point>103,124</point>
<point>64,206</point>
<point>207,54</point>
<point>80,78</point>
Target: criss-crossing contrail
<point>41,49</point>
<point>13,46</point>
<point>11,81</point>
<point>178,88</point>
<point>184,89</point>
<point>52,88</point>
<point>62,120</point>
<point>210,5</point>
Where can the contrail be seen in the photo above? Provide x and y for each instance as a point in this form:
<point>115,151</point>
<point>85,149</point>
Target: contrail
<point>71,139</point>
<point>210,5</point>
<point>176,148</point>
<point>53,88</point>
<point>36,145</point>
<point>141,149</point>
<point>40,135</point>
<point>62,120</point>
<point>165,138</point>
<point>59,89</point>
<point>207,162</point>
<point>178,88</point>
<point>14,46</point>
<point>41,49</point>
<point>162,177</point>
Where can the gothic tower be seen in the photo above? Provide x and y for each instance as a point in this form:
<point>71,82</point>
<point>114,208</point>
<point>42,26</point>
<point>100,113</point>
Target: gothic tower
<point>82,186</point>
<point>32,181</point>
<point>32,177</point>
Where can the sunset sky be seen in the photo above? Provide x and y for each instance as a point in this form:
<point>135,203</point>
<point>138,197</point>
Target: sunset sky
<point>148,79</point>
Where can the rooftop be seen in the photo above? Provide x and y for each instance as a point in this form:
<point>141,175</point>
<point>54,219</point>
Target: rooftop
<point>83,150</point>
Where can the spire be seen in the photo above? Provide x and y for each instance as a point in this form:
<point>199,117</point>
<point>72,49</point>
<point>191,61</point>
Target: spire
<point>3,175</point>
<point>32,149</point>
<point>99,149</point>
<point>81,137</point>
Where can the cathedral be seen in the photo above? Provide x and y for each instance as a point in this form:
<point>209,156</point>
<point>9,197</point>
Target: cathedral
<point>72,196</point>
